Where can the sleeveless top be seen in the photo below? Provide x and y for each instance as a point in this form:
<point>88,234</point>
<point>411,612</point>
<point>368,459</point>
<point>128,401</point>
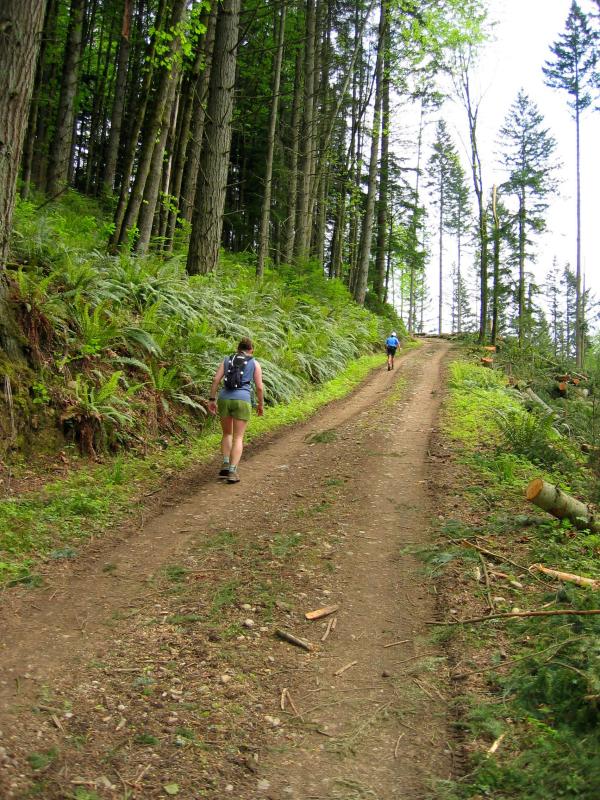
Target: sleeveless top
<point>244,392</point>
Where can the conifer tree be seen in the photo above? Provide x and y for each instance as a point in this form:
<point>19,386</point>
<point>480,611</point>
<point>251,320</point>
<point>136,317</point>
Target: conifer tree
<point>573,69</point>
<point>553,294</point>
<point>440,167</point>
<point>20,24</point>
<point>527,150</point>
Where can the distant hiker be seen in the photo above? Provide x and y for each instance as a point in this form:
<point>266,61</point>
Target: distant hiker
<point>392,343</point>
<point>235,404</point>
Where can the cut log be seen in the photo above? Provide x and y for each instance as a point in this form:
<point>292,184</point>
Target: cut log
<point>581,391</point>
<point>529,393</point>
<point>487,362</point>
<point>561,505</point>
<point>569,577</point>
<point>491,348</point>
<point>562,387</point>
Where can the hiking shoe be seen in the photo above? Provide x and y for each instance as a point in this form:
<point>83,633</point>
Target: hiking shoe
<point>233,477</point>
<point>224,473</point>
<point>389,368</point>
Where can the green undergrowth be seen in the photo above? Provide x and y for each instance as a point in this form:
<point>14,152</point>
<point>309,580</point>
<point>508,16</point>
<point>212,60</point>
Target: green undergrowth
<point>540,698</point>
<point>123,347</point>
<point>47,525</point>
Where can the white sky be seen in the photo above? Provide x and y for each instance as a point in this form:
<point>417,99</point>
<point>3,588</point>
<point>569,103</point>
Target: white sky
<point>525,31</point>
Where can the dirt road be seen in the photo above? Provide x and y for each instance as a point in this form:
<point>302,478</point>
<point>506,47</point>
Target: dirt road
<point>150,667</point>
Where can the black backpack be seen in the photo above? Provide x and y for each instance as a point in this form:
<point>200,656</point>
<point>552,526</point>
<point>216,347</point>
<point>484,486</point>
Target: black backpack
<point>235,370</point>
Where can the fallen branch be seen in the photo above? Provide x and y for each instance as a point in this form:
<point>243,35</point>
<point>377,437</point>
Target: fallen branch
<point>330,627</point>
<point>398,744</point>
<point>580,580</point>
<point>285,695</point>
<point>343,669</point>
<point>496,744</point>
<point>393,644</point>
<point>511,662</point>
<point>289,637</point>
<point>487,582</point>
<point>497,556</point>
<point>516,614</point>
<point>321,612</point>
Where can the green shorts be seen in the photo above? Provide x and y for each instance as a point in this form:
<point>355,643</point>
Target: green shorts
<point>238,409</point>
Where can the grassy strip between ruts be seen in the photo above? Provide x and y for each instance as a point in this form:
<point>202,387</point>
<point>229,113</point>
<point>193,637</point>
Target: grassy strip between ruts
<point>527,691</point>
<point>49,524</point>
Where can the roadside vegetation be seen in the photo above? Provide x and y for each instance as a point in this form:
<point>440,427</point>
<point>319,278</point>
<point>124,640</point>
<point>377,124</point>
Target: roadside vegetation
<point>526,690</point>
<point>122,351</point>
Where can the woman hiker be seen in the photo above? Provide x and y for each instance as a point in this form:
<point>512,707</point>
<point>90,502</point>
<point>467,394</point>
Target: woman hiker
<point>235,404</point>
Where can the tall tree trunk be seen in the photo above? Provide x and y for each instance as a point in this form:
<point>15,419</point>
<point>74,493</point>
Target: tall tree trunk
<point>152,185</point>
<point>20,27</point>
<point>579,331</point>
<point>366,235</point>
<point>441,257</point>
<point>496,257</point>
<point>95,141</point>
<point>459,286</point>
<point>382,203</point>
<point>292,196</point>
<point>116,117</point>
<point>207,220</point>
<point>414,224</point>
<point>303,223</point>
<point>189,180</point>
<point>60,153</point>
<point>263,238</point>
<point>134,132</point>
<point>39,85</point>
<point>521,286</point>
<point>189,136</point>
<point>154,124</point>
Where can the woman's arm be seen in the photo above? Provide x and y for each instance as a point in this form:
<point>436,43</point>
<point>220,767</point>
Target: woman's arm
<point>212,400</point>
<point>258,382</point>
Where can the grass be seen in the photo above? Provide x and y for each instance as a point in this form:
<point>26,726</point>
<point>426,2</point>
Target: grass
<point>543,704</point>
<point>100,496</point>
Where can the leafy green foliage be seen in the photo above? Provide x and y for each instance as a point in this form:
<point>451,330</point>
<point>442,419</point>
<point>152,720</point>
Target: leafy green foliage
<point>531,434</point>
<point>546,697</point>
<point>130,330</point>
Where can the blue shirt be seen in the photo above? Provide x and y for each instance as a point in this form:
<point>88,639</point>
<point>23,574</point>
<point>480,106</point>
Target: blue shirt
<point>392,341</point>
<point>244,391</point>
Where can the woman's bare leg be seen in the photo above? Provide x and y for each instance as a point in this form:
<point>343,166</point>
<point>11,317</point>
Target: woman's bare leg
<point>239,428</point>
<point>227,439</point>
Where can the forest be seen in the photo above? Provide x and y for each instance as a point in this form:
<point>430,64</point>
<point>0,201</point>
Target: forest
<point>176,175</point>
<point>151,136</point>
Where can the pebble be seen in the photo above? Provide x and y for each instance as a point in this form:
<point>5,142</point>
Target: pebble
<point>248,623</point>
<point>225,678</point>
